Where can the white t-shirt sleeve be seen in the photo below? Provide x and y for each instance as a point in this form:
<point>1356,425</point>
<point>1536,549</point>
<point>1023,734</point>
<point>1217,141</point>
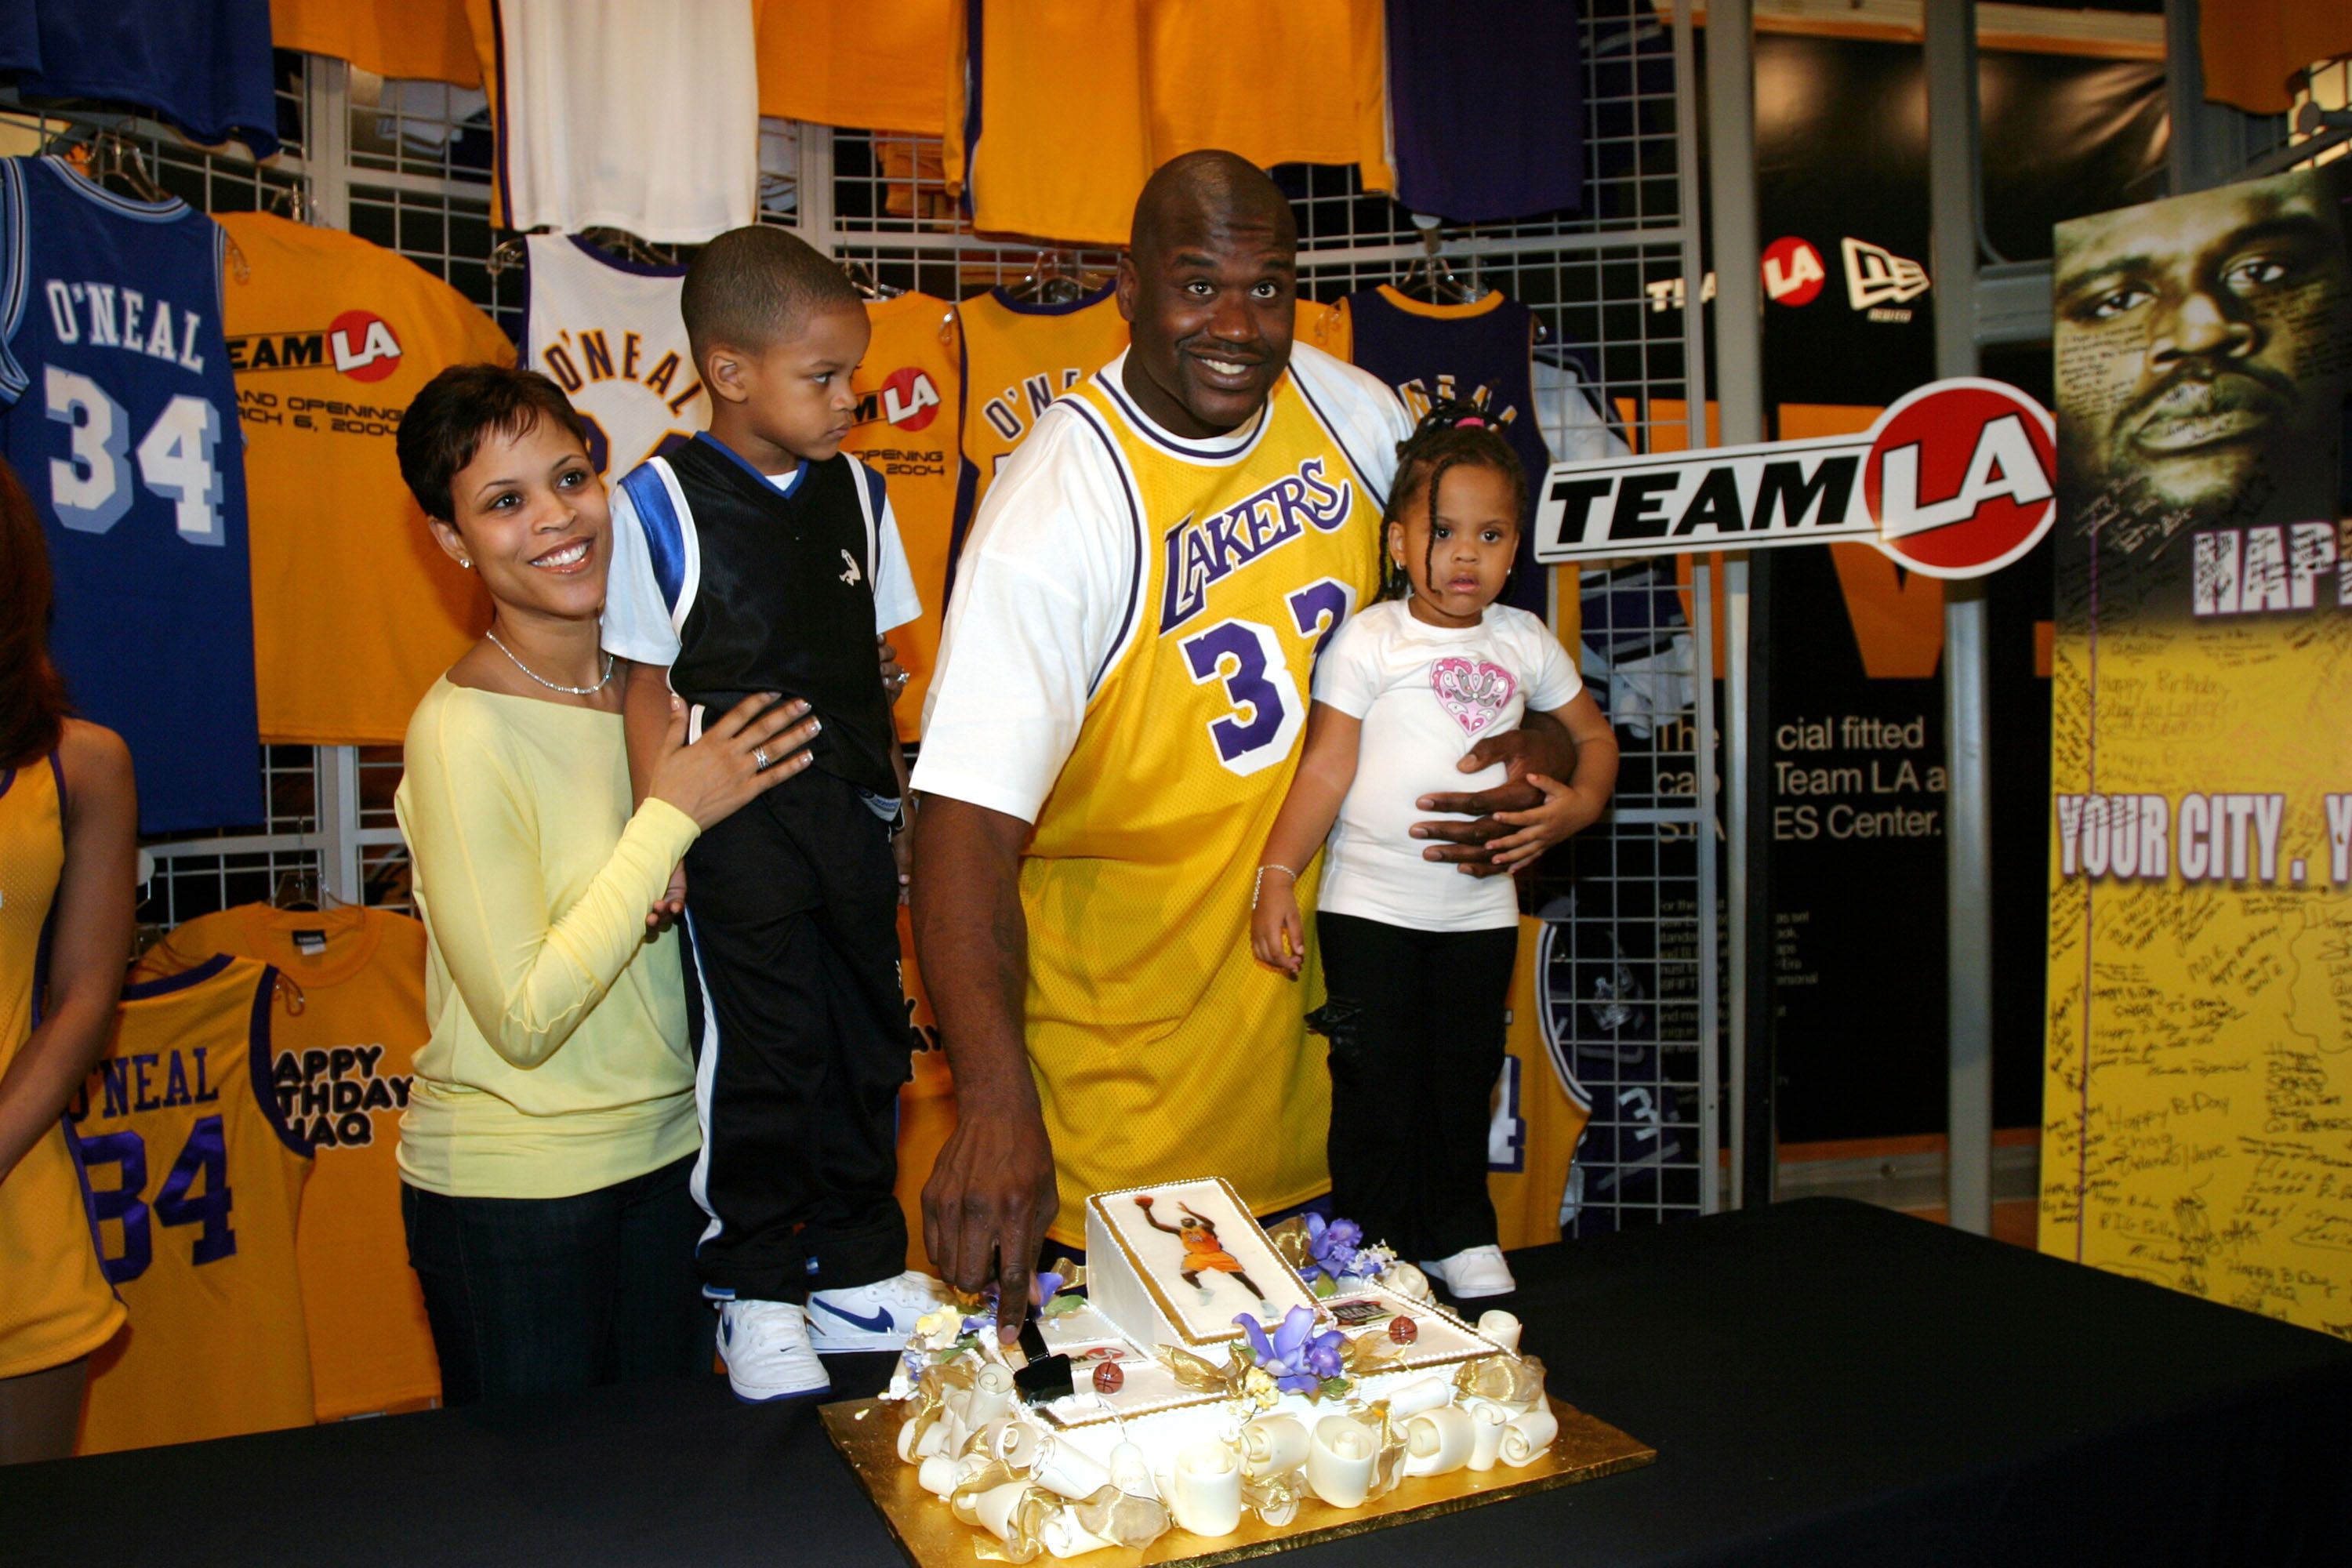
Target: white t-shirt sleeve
<point>1555,682</point>
<point>637,624</point>
<point>1041,602</point>
<point>894,600</point>
<point>1362,410</point>
<point>1348,676</point>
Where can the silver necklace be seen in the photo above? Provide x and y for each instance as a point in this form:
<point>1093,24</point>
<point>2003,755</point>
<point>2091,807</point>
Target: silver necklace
<point>567,691</point>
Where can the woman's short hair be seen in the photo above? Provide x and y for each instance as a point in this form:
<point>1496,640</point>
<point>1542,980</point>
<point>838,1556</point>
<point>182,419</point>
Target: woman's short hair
<point>446,422</point>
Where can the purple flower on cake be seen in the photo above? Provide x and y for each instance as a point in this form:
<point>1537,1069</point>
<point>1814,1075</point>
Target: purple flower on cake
<point>1296,1357</point>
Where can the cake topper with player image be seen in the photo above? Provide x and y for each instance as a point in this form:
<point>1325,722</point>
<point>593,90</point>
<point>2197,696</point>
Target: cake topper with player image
<point>1203,1251</point>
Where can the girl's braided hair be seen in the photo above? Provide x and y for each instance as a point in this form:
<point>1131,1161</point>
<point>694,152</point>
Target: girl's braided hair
<point>1451,433</point>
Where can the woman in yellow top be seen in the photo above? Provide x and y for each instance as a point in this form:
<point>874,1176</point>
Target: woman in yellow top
<point>68,858</point>
<point>550,1133</point>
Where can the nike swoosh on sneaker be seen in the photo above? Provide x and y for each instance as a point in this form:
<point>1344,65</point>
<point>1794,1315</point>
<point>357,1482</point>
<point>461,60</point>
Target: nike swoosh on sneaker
<point>879,1324</point>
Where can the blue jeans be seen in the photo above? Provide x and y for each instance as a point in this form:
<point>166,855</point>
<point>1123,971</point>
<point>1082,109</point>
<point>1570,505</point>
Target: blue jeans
<point>547,1295</point>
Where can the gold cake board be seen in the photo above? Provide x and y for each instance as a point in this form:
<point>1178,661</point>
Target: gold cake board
<point>866,1433</point>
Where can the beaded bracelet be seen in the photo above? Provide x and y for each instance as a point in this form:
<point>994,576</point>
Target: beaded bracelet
<point>1257,884</point>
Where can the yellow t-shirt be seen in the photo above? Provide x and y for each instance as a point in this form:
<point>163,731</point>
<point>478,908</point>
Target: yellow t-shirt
<point>342,1074</point>
<point>558,1060</point>
<point>878,64</point>
<point>355,609</point>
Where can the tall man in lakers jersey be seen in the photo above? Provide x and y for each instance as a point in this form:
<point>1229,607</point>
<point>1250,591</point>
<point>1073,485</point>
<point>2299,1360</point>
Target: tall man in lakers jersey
<point>1116,714</point>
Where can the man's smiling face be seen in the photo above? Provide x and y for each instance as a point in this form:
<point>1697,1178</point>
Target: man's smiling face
<point>1208,287</point>
<point>2199,349</point>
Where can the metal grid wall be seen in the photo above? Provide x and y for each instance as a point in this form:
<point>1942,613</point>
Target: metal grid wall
<point>1632,1010</point>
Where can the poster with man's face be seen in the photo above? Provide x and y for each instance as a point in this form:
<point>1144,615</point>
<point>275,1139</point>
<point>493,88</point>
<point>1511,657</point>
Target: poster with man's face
<point>2194,1130</point>
<point>2203,356</point>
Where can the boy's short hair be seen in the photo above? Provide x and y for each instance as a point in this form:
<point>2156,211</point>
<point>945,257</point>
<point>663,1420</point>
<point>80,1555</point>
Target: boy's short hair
<point>448,421</point>
<point>751,286</point>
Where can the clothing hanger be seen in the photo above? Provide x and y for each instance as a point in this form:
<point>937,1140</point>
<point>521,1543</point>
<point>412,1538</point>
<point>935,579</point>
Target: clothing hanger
<point>302,888</point>
<point>114,154</point>
<point>291,202</point>
<point>628,245</point>
<point>1429,272</point>
<point>1056,278</point>
<point>869,288</point>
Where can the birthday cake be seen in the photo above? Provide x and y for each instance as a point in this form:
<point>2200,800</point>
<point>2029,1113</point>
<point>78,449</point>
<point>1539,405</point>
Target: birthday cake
<point>1199,1368</point>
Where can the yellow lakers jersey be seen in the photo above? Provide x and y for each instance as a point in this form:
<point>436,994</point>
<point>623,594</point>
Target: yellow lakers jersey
<point>909,410</point>
<point>1018,356</point>
<point>1325,326</point>
<point>1142,992</point>
<point>1048,133</point>
<point>340,1071</point>
<point>330,338</point>
<point>1536,1120</point>
<point>55,1303</point>
<point>419,40</point>
<point>196,1182</point>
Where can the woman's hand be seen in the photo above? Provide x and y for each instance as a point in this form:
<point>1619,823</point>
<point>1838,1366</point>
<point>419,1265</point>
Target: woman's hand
<point>1565,812</point>
<point>724,771</point>
<point>1278,935</point>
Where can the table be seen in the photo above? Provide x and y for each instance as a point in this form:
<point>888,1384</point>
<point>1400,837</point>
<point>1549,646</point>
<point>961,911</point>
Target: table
<point>1824,1382</point>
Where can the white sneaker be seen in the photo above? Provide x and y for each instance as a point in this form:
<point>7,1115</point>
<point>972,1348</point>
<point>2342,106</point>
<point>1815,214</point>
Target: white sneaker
<point>876,1317</point>
<point>765,1345</point>
<point>1473,1272</point>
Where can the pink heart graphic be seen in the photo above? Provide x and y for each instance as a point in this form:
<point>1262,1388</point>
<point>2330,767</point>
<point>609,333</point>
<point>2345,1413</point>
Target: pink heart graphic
<point>1472,690</point>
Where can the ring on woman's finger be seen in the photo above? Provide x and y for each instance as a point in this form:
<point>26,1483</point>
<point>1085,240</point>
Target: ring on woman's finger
<point>760,758</point>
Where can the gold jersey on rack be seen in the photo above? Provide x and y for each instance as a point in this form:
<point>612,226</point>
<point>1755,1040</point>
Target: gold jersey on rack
<point>1159,1044</point>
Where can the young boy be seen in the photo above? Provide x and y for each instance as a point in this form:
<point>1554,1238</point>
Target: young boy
<point>757,558</point>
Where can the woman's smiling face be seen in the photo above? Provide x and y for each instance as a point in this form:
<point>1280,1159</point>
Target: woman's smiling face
<point>531,516</point>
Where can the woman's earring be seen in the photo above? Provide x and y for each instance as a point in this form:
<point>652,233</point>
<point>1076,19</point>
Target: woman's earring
<point>466,561</point>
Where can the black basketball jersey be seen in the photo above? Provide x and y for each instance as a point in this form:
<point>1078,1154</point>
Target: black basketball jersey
<point>1472,353</point>
<point>772,589</point>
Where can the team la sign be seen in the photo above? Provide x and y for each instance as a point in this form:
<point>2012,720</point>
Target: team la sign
<point>1956,479</point>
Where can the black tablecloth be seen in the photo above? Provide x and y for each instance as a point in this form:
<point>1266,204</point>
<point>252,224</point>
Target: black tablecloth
<point>1825,1383</point>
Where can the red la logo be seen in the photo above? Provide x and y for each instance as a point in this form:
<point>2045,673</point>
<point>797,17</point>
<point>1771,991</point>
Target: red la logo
<point>1793,273</point>
<point>364,345</point>
<point>1960,477</point>
<point>909,401</point>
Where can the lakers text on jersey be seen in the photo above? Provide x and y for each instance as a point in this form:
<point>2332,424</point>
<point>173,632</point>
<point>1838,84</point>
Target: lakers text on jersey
<point>195,1181</point>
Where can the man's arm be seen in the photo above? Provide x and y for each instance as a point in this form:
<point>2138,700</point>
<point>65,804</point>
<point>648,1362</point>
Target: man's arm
<point>1539,745</point>
<point>991,1194</point>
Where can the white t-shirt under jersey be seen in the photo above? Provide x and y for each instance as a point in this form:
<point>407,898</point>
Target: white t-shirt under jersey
<point>1041,594</point>
<point>1425,695</point>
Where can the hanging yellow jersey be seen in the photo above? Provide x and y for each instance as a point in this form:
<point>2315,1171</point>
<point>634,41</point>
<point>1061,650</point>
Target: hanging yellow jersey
<point>909,410</point>
<point>196,1180</point>
<point>1537,1118</point>
<point>1018,356</point>
<point>422,40</point>
<point>1049,131</point>
<point>1325,326</point>
<point>55,1303</point>
<point>1328,106</point>
<point>876,65</point>
<point>1142,992</point>
<point>340,1073</point>
<point>355,611</point>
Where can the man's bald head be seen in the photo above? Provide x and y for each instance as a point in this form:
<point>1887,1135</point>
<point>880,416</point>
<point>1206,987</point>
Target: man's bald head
<point>1209,189</point>
<point>1208,287</point>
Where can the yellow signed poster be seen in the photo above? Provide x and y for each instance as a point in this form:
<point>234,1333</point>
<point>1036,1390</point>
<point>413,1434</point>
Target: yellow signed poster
<point>2198,1107</point>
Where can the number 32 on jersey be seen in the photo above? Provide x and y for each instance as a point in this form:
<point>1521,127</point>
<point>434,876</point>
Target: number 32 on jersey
<point>1247,657</point>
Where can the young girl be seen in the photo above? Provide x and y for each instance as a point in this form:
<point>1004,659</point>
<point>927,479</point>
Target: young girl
<point>1418,956</point>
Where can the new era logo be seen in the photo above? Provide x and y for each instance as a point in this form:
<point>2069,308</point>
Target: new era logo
<point>1876,276</point>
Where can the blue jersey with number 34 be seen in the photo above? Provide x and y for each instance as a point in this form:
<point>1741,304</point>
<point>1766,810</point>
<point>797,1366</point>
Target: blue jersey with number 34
<point>122,421</point>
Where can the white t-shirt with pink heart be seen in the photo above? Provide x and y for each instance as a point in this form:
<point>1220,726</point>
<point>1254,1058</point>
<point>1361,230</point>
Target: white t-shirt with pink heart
<point>1425,695</point>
